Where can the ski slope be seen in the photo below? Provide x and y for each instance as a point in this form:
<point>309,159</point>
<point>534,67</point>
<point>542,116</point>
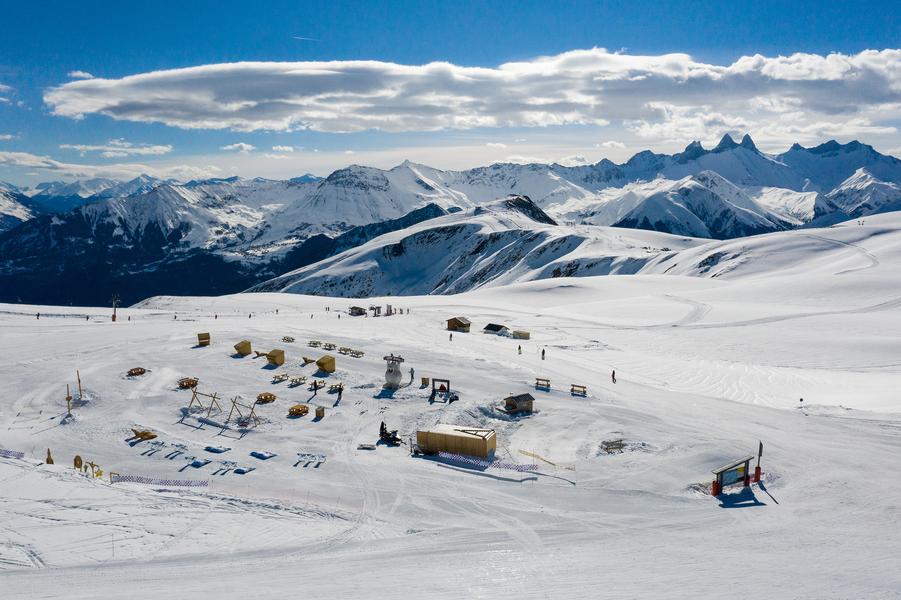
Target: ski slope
<point>706,366</point>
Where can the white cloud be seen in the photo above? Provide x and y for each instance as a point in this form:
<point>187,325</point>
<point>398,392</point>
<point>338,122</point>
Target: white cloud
<point>240,147</point>
<point>573,161</point>
<point>5,137</point>
<point>525,160</point>
<point>283,148</point>
<point>115,171</point>
<point>5,89</point>
<point>611,144</point>
<point>654,95</point>
<point>495,145</point>
<point>277,156</point>
<point>349,152</point>
<point>119,148</point>
<point>79,75</point>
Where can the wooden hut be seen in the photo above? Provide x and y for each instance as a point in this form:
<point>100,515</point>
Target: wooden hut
<point>496,329</point>
<point>519,334</point>
<point>326,363</point>
<point>357,311</point>
<point>457,439</point>
<point>276,357</point>
<point>458,324</point>
<point>243,347</point>
<point>519,403</point>
<point>320,412</point>
<point>203,339</point>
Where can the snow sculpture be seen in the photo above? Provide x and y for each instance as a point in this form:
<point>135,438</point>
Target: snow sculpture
<point>393,376</point>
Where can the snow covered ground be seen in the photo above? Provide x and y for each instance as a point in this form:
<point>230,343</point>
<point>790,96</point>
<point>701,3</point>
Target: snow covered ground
<point>706,367</point>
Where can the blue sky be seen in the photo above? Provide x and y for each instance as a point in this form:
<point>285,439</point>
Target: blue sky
<point>671,72</point>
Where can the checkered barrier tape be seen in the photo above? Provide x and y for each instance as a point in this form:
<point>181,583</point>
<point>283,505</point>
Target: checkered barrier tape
<point>160,482</point>
<point>485,463</point>
<point>11,453</point>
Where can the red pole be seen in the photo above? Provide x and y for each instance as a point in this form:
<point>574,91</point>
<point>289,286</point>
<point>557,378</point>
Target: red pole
<point>715,488</point>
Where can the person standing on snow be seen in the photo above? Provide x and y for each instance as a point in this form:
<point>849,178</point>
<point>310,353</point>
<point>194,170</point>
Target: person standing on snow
<point>613,375</point>
<point>542,354</point>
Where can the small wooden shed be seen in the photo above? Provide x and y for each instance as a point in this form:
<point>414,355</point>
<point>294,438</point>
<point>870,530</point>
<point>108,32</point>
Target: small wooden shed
<point>519,334</point>
<point>519,403</point>
<point>203,339</point>
<point>244,347</point>
<point>457,439</point>
<point>458,324</point>
<point>326,363</point>
<point>276,357</point>
<point>320,412</point>
<point>496,329</point>
<point>357,311</point>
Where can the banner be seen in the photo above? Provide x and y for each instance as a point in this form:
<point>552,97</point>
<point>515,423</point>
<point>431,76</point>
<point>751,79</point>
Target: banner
<point>11,453</point>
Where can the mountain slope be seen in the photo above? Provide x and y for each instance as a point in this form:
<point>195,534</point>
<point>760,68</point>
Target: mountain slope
<point>13,209</point>
<point>501,242</point>
<point>862,194</point>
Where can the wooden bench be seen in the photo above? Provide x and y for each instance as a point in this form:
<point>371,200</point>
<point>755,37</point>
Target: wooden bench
<point>356,353</point>
<point>317,384</point>
<point>279,377</point>
<point>296,381</point>
<point>314,343</point>
<point>542,383</point>
<point>335,387</point>
<point>328,346</point>
<point>288,339</point>
<point>578,390</point>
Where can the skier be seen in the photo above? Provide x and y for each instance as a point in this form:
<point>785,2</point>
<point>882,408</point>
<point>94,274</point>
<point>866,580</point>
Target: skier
<point>450,337</point>
<point>215,316</point>
<point>519,349</point>
<point>39,316</point>
<point>613,376</point>
<point>411,374</point>
<point>276,311</point>
<point>340,391</point>
<point>248,315</point>
<point>542,354</point>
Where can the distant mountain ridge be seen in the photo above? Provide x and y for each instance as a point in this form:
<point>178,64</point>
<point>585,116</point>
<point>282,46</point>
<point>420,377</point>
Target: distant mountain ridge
<point>252,228</point>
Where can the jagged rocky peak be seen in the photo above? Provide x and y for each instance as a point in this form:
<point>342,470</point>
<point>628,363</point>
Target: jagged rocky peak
<point>748,143</point>
<point>692,151</point>
<point>726,143</point>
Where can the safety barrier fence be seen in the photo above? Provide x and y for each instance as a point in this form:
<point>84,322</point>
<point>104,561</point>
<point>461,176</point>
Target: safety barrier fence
<point>11,453</point>
<point>116,478</point>
<point>485,463</point>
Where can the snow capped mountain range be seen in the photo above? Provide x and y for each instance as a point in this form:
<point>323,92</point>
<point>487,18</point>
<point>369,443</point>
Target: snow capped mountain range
<point>248,227</point>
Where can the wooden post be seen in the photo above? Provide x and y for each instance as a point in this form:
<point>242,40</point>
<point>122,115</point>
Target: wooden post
<point>68,401</point>
<point>80,393</point>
